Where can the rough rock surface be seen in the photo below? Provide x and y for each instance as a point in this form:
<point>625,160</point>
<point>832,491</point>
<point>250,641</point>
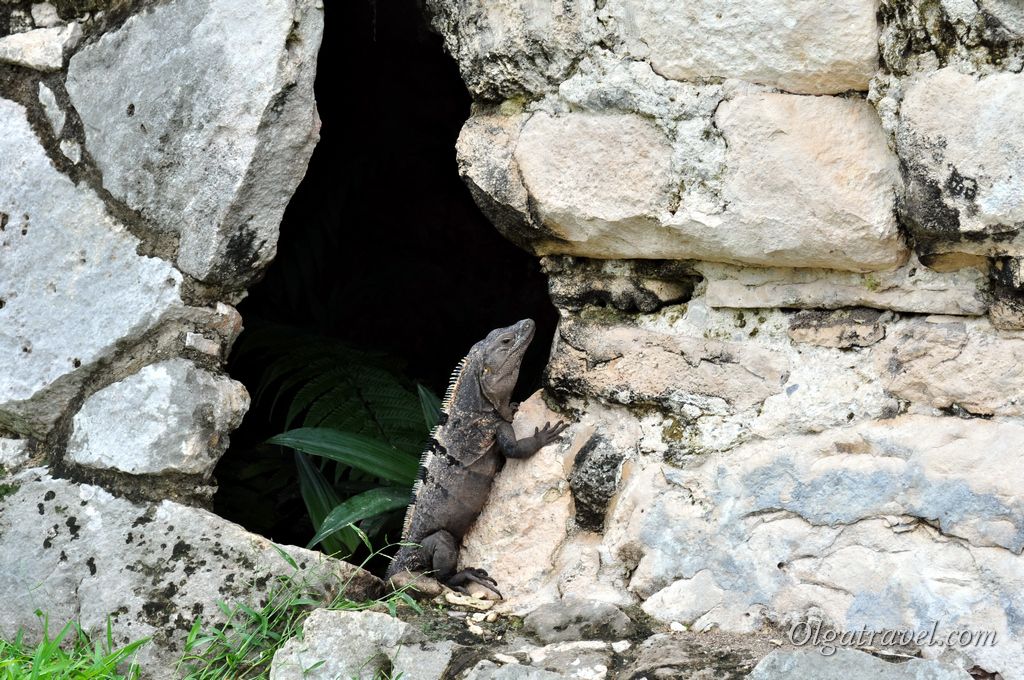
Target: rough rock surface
<point>43,49</point>
<point>72,286</point>
<point>960,137</point>
<point>845,664</point>
<point>910,288</point>
<point>607,184</point>
<point>205,136</point>
<point>575,619</point>
<point>797,45</point>
<point>168,417</point>
<point>76,551</point>
<point>360,645</point>
<point>512,47</point>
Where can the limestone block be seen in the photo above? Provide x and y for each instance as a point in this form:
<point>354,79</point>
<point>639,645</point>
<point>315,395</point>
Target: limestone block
<point>42,49</point>
<point>77,552</point>
<point>810,183</point>
<point>798,181</point>
<point>843,328</point>
<point>13,454</point>
<point>888,524</point>
<point>512,47</point>
<point>209,132</point>
<point>845,664</point>
<point>169,417</point>
<point>955,364</point>
<point>595,176</point>
<point>614,363</point>
<point>72,286</point>
<point>44,15</point>
<point>54,113</point>
<point>801,46</point>
<point>576,619</point>
<point>962,139</point>
<point>909,288</point>
<point>360,645</point>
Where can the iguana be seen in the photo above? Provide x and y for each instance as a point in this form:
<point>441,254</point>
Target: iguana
<point>468,448</point>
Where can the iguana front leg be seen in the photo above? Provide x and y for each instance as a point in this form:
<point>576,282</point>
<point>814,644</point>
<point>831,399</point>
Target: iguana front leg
<point>527,446</point>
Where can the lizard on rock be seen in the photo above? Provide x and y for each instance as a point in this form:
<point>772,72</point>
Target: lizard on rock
<point>469,447</point>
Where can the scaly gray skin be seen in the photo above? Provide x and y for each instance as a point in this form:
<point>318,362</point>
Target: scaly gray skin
<point>468,449</point>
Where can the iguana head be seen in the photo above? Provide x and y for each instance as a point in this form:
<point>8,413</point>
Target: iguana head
<point>498,358</point>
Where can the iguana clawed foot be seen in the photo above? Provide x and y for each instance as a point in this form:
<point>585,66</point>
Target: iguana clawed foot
<point>471,575</point>
<point>549,433</point>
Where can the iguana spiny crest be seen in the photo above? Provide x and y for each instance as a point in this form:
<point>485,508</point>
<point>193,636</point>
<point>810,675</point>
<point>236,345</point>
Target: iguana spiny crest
<point>468,448</point>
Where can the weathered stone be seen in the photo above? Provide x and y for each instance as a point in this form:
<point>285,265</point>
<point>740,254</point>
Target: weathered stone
<point>606,185</point>
<point>797,45</point>
<point>910,288</point>
<point>13,454</point>
<point>936,362</point>
<point>850,664</point>
<point>514,47</point>
<point>539,491</point>
<point>575,619</point>
<point>44,15</point>
<point>844,328</point>
<point>613,362</point>
<point>697,657</point>
<point>487,163</point>
<point>978,37</point>
<point>19,21</point>
<point>603,178</point>
<point>43,49</point>
<point>578,659</point>
<point>960,138</point>
<point>205,137</point>
<point>811,183</point>
<point>765,531</point>
<point>79,553</point>
<point>488,670</point>
<point>594,481</point>
<point>72,150</point>
<point>54,113</point>
<point>72,286</point>
<point>363,645</point>
<point>629,286</point>
<point>171,416</point>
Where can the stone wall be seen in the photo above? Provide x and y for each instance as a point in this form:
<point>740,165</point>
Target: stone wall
<point>784,239</point>
<point>148,151</point>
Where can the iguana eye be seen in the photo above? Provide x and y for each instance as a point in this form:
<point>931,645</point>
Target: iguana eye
<point>505,341</point>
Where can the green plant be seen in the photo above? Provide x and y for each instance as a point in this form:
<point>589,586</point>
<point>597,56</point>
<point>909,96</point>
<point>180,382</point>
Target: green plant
<point>353,412</point>
<point>70,654</point>
<point>244,644</point>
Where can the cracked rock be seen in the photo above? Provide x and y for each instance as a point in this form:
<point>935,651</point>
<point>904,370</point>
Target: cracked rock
<point>362,645</point>
<point>79,553</point>
<point>206,137</point>
<point>800,46</point>
<point>72,286</point>
<point>42,49</point>
<point>169,417</point>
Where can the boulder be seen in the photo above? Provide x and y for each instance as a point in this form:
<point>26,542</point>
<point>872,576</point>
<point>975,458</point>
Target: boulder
<point>206,137</point>
<point>171,416</point>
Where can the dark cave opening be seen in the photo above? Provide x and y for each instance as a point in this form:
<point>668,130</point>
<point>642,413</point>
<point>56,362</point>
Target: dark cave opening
<point>382,247</point>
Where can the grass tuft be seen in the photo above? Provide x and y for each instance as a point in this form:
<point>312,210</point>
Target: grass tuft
<point>243,647</point>
<point>69,655</point>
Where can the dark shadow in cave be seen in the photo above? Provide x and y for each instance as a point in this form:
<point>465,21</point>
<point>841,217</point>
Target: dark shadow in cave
<point>382,246</point>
